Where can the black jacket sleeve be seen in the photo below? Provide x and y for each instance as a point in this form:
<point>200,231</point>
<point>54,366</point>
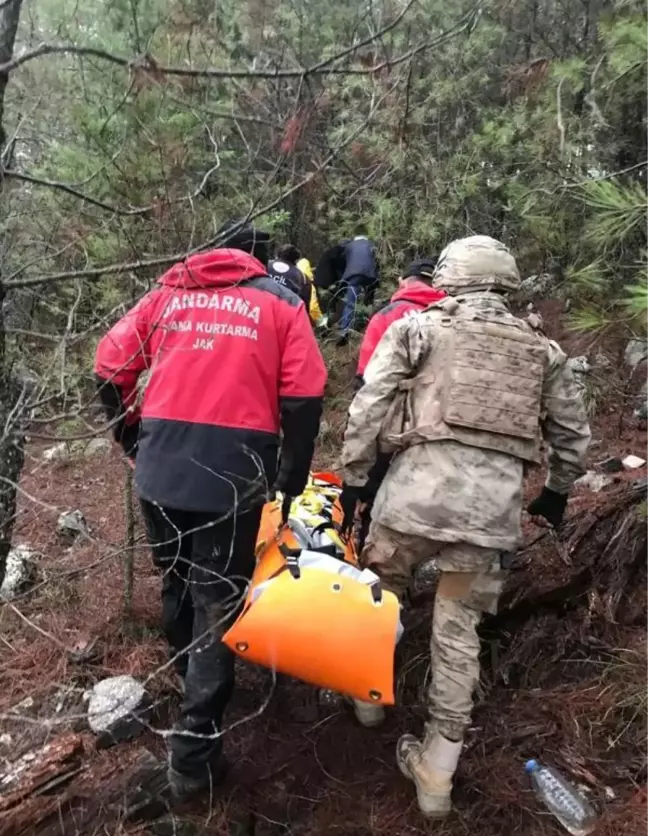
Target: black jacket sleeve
<point>111,399</point>
<point>330,267</point>
<point>305,293</point>
<point>300,420</point>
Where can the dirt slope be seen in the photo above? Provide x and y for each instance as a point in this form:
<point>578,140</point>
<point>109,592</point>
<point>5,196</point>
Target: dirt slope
<point>563,679</point>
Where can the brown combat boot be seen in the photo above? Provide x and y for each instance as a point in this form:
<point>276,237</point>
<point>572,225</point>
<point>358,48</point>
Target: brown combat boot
<point>431,766</point>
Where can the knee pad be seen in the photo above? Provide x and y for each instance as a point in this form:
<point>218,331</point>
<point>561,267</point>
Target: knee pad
<point>478,590</point>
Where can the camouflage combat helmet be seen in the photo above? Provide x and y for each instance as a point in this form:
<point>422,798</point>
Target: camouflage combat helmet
<point>476,263</point>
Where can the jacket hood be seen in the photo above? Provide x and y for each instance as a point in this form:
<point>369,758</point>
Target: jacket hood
<point>418,292</point>
<point>215,268</point>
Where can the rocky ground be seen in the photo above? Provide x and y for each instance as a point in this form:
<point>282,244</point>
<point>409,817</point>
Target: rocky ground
<point>563,667</point>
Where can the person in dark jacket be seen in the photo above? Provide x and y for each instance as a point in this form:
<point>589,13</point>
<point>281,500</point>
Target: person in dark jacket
<point>352,267</point>
<point>414,293</point>
<point>231,361</point>
<point>283,269</point>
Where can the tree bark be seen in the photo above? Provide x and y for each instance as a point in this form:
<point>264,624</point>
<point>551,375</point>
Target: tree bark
<point>61,794</point>
<point>12,414</point>
<point>9,17</point>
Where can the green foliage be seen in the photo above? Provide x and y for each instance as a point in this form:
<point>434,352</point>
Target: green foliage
<point>528,125</point>
<point>635,296</point>
<point>616,210</point>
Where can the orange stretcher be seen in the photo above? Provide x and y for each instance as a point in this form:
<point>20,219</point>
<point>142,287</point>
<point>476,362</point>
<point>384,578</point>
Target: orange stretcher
<point>310,611</point>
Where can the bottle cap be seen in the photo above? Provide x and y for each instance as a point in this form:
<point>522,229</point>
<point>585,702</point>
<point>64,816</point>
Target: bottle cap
<point>531,766</point>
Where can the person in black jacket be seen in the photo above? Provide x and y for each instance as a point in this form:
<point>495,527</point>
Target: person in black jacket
<point>283,269</point>
<point>352,267</point>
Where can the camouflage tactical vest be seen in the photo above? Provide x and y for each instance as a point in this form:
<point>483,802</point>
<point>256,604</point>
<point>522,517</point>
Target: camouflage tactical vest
<point>479,382</point>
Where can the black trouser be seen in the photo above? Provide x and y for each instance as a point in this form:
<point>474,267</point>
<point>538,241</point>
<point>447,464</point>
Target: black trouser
<point>207,562</point>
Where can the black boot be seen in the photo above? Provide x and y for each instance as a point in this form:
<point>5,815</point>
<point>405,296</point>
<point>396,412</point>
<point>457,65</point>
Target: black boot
<point>185,787</point>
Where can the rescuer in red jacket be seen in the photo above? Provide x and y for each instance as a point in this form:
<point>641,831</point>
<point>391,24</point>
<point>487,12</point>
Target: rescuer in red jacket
<point>414,294</point>
<point>232,362</point>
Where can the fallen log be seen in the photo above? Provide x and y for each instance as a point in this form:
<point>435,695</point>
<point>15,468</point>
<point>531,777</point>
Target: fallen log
<point>60,793</point>
<point>28,783</point>
<point>552,605</point>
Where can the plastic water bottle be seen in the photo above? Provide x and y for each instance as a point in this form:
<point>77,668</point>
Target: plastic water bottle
<point>562,799</point>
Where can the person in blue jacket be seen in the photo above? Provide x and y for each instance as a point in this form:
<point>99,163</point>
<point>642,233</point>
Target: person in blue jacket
<point>351,268</point>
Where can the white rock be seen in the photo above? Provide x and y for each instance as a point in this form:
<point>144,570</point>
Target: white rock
<point>632,462</point>
<point>636,352</point>
<point>57,452</point>
<point>117,707</point>
<point>21,571</point>
<point>69,450</point>
<point>72,524</point>
<point>594,481</point>
<point>96,447</point>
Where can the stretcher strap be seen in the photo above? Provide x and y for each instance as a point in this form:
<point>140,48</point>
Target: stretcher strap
<point>325,526</point>
<point>291,557</point>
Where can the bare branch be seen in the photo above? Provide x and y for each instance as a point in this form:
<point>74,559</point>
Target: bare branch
<point>324,67</point>
<point>116,210</point>
<point>217,240</point>
<point>54,184</point>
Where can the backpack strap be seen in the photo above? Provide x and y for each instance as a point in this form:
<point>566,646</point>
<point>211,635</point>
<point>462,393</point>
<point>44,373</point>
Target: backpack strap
<point>448,305</point>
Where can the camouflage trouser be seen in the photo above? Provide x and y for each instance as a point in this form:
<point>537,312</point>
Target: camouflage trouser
<point>470,584</point>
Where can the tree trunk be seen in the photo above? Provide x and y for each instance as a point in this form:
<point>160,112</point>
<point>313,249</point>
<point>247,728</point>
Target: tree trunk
<point>12,413</point>
<point>9,17</point>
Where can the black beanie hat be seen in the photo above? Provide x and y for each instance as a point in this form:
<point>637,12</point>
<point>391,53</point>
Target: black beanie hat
<point>247,238</point>
<point>424,267</point>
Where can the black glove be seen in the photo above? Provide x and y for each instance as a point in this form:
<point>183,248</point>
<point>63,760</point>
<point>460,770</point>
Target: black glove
<point>128,436</point>
<point>375,478</point>
<point>291,483</point>
<point>550,505</point>
<point>349,499</point>
<point>285,508</point>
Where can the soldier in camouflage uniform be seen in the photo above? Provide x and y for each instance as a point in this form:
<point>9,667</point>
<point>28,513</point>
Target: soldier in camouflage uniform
<point>462,392</point>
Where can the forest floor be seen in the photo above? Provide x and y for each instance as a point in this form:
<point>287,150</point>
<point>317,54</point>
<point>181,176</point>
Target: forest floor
<point>564,669</point>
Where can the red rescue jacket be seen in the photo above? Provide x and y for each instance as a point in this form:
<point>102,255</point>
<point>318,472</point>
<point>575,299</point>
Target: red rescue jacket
<point>413,295</point>
<point>232,361</point>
